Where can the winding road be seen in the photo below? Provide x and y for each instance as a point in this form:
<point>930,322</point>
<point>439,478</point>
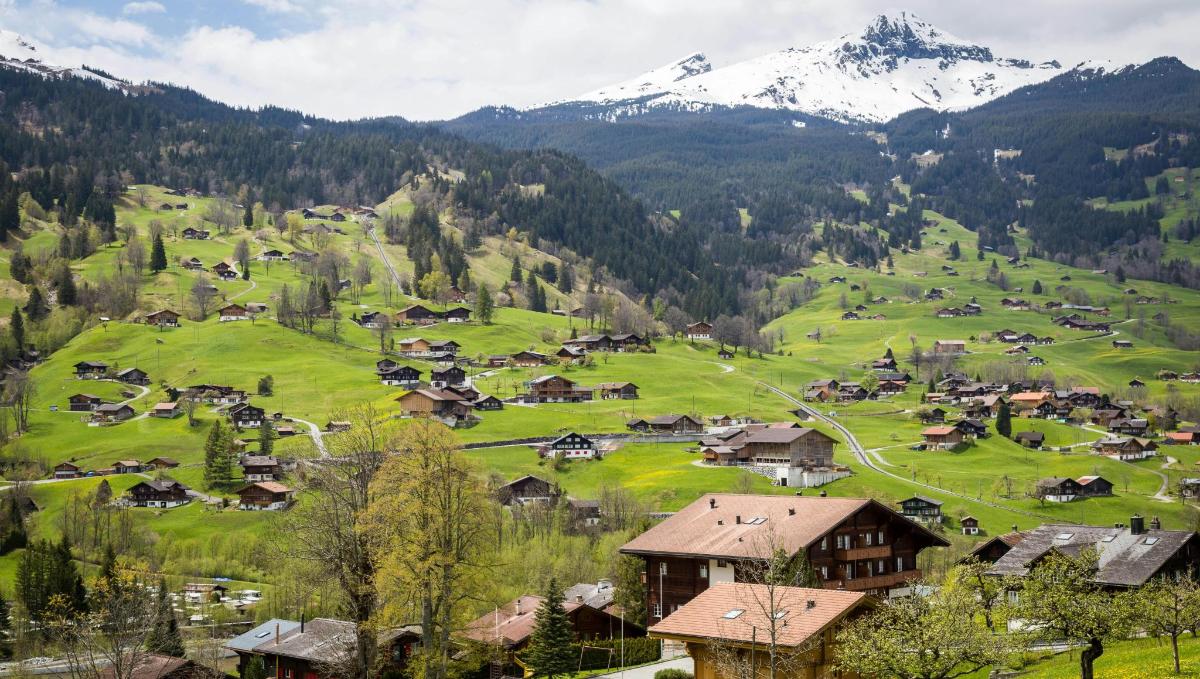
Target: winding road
<point>864,458</point>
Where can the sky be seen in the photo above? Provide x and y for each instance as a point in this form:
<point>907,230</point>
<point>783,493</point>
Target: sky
<point>437,59</point>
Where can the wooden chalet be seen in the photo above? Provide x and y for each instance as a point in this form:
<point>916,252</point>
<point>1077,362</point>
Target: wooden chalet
<point>399,375</point>
<point>90,370</point>
<point>246,416</point>
<point>163,318</point>
<point>617,390</point>
<point>260,468</point>
<point>264,496</point>
<point>233,312</point>
<point>225,272</point>
<point>1058,489</point>
<point>158,493</point>
<point>1126,448</point>
<point>969,525</point>
<point>853,544</point>
<point>1095,486</point>
<point>452,376</point>
<point>1133,555</point>
<point>699,331</point>
<point>922,509</point>
<point>160,463</point>
<point>291,649</point>
<point>166,410</point>
<point>949,347</point>
<point>191,233</point>
<point>83,403</point>
<point>557,389</point>
<point>126,467</point>
<point>529,359</point>
<point>1030,439</point>
<point>570,446</point>
<point>724,622</point>
<point>134,376</point>
<point>510,626</point>
<point>942,437</point>
<point>112,412</point>
<point>159,666</point>
<point>417,314</point>
<point>525,490</point>
<point>667,424</point>
<point>67,470</point>
<point>438,403</point>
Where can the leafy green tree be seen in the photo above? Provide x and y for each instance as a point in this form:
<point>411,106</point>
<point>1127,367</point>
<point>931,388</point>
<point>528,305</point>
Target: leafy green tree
<point>1169,608</point>
<point>255,669</point>
<point>266,385</point>
<point>485,306</point>
<point>629,592</point>
<point>158,254</point>
<point>939,636</point>
<point>1004,420</point>
<point>549,653</point>
<point>1060,601</point>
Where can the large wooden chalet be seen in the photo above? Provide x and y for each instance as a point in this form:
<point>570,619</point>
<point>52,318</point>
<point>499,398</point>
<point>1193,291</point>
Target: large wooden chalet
<point>853,544</point>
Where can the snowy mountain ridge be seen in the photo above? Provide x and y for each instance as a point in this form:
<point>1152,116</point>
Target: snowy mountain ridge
<point>897,63</point>
<point>20,54</point>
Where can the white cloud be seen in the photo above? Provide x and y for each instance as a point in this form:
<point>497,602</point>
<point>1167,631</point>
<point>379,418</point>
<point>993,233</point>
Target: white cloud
<point>148,7</point>
<point>429,59</point>
<point>277,6</point>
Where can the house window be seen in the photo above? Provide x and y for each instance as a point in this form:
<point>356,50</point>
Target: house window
<point>882,566</point>
<point>824,572</point>
<point>662,567</point>
<point>825,544</point>
<point>879,537</point>
<point>867,538</point>
<point>722,563</point>
<point>704,570</point>
<point>899,564</point>
<point>656,610</point>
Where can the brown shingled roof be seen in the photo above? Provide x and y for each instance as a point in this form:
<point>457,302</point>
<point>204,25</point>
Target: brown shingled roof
<point>791,522</point>
<point>805,613</point>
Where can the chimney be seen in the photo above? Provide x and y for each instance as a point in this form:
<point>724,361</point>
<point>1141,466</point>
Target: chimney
<point>738,519</point>
<point>518,611</point>
<point>1155,524</point>
<point>720,522</point>
<point>811,603</point>
<point>578,598</point>
<point>712,503</point>
<point>1137,525</point>
<point>1014,528</point>
<point>791,511</point>
<point>276,633</point>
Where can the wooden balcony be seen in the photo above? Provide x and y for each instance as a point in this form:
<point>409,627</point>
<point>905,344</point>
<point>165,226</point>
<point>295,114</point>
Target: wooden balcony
<point>874,581</point>
<point>856,553</point>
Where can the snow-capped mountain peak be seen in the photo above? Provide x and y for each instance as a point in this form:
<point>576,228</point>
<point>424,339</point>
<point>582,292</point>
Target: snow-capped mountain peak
<point>653,82</point>
<point>897,63</point>
<point>19,53</point>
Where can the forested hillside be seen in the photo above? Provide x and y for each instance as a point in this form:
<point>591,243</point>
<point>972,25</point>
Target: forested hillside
<point>1035,158</point>
<point>74,145</point>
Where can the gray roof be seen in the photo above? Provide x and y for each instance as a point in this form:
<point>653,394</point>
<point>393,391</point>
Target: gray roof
<point>261,634</point>
<point>1126,560</point>
<point>598,595</point>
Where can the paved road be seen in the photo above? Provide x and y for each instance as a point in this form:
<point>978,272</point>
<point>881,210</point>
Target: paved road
<point>684,663</point>
<point>861,455</point>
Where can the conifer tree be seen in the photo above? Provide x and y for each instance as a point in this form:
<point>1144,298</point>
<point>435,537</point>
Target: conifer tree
<point>158,254</point>
<point>16,328</point>
<point>515,274</point>
<point>266,437</point>
<point>485,307</point>
<point>550,651</point>
<point>1037,287</point>
<point>165,637</point>
<point>66,287</point>
<point>255,669</point>
<point>36,307</point>
<point>1004,421</point>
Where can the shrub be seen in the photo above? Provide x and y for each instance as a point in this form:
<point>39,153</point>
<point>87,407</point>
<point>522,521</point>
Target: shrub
<point>672,673</point>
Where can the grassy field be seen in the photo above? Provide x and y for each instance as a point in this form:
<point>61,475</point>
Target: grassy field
<point>317,375</point>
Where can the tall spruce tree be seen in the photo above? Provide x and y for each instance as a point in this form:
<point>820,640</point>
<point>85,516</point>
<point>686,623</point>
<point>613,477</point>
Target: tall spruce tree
<point>165,637</point>
<point>36,307</point>
<point>266,437</point>
<point>16,328</point>
<point>550,651</point>
<point>485,307</point>
<point>1004,421</point>
<point>158,254</point>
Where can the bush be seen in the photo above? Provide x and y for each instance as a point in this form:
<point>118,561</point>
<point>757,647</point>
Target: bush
<point>672,674</point>
<point>638,651</point>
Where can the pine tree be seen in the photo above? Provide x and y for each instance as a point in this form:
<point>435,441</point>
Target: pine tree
<point>10,215</point>
<point>165,637</point>
<point>485,307</point>
<point>248,215</point>
<point>955,252</point>
<point>108,564</point>
<point>515,274</point>
<point>36,307</point>
<point>566,279</point>
<point>218,467</point>
<point>1037,287</point>
<point>1004,421</point>
<point>549,652</point>
<point>16,328</point>
<point>66,287</point>
<point>266,437</point>
<point>158,254</point>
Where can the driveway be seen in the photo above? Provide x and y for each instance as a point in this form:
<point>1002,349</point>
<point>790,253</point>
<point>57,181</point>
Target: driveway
<point>684,663</point>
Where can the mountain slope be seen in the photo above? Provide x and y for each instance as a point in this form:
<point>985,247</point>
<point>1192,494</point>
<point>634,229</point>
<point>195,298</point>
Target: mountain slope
<point>898,63</point>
